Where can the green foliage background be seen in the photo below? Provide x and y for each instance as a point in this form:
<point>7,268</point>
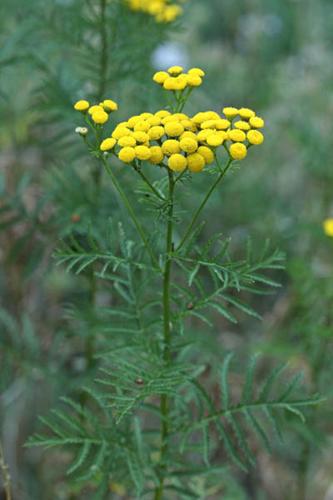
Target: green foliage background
<point>273,56</point>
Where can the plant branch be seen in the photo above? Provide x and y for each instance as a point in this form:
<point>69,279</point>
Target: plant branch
<point>202,205</point>
<point>131,212</point>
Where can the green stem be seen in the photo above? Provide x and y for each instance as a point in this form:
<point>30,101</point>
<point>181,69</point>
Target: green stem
<point>201,207</point>
<point>104,52</point>
<point>147,181</point>
<point>165,403</point>
<point>131,212</point>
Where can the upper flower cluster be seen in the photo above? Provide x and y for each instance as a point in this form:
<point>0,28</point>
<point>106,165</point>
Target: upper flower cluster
<point>164,11</point>
<point>180,141</point>
<point>99,112</point>
<point>176,79</point>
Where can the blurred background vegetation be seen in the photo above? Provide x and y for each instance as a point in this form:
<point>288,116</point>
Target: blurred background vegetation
<point>273,56</point>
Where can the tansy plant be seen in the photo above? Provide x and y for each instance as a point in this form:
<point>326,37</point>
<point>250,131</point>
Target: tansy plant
<point>164,11</point>
<point>152,421</point>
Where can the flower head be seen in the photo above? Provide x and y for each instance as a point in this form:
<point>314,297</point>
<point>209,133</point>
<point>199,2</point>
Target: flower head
<point>176,79</point>
<point>328,227</point>
<point>81,105</point>
<point>179,141</point>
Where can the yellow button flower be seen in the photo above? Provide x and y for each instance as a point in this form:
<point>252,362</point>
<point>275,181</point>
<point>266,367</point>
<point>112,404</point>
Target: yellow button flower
<point>177,162</point>
<point>170,83</point>
<point>142,152</point>
<point>120,131</point>
<point>255,137</point>
<point>215,140</point>
<point>162,113</point>
<point>222,124</point>
<point>107,144</point>
<point>203,134</point>
<point>154,121</point>
<point>242,125</point>
<point>188,135</point>
<point>155,133</point>
<point>160,77</point>
<point>207,154</point>
<point>133,121</point>
<point>236,135</point>
<point>141,126</point>
<point>170,147</point>
<point>230,112</point>
<point>238,151</point>
<point>156,155</point>
<point>194,80</point>
<point>95,108</point>
<point>174,129</point>
<point>196,72</point>
<point>126,155</point>
<point>140,136</point>
<point>81,105</point>
<point>195,162</point>
<point>175,70</point>
<point>328,227</point>
<point>100,117</point>
<point>109,105</point>
<point>127,141</point>
<point>188,145</point>
<point>257,122</point>
<point>246,113</point>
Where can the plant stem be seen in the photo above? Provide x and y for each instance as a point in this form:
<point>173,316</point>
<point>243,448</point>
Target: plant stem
<point>147,181</point>
<point>5,475</point>
<point>131,212</point>
<point>104,52</point>
<point>204,201</point>
<point>165,403</point>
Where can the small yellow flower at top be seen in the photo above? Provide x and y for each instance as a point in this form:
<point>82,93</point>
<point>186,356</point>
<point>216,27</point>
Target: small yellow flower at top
<point>109,105</point>
<point>328,227</point>
<point>197,72</point>
<point>94,108</point>
<point>100,117</point>
<point>175,70</point>
<point>160,77</point>
<point>194,80</point>
<point>82,106</point>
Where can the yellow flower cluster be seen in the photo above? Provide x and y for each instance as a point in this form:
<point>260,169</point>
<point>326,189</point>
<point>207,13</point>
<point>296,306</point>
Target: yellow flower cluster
<point>176,79</point>
<point>164,11</point>
<point>180,141</point>
<point>99,112</point>
<point>328,227</point>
